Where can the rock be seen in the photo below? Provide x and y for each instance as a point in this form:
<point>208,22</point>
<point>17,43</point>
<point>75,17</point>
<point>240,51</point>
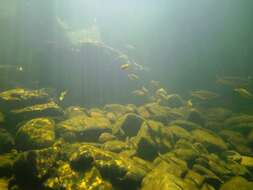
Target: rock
<point>2,117</point>
<point>179,133</point>
<point>118,109</point>
<point>196,117</point>
<point>212,141</point>
<point>173,100</point>
<point>158,112</point>
<point>128,125</point>
<point>83,128</point>
<point>6,141</point>
<point>73,111</point>
<point>197,178</point>
<point>65,178</point>
<point>161,178</point>
<point>19,97</point>
<point>250,138</point>
<point>188,125</point>
<point>241,123</point>
<point>120,170</point>
<point>116,146</point>
<point>143,112</point>
<point>236,183</point>
<point>6,164</point>
<point>4,183</point>
<point>210,177</point>
<point>237,141</point>
<point>48,109</point>
<point>217,113</point>
<point>35,134</point>
<point>173,165</point>
<point>207,186</point>
<point>111,116</point>
<point>33,166</point>
<point>151,139</point>
<point>104,137</point>
<point>247,161</point>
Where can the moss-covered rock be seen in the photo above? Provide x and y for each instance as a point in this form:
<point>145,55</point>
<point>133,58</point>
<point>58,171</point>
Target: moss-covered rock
<point>6,141</point>
<point>19,97</point>
<point>247,161</point>
<point>236,141</point>
<point>242,123</point>
<point>119,109</point>
<point>196,116</point>
<point>119,170</point>
<point>188,125</point>
<point>212,141</point>
<point>162,178</point>
<point>83,128</point>
<point>48,109</point>
<point>179,133</point>
<point>116,146</point>
<point>151,139</point>
<point>128,125</point>
<point>236,183</point>
<point>104,137</point>
<point>4,183</point>
<point>35,134</point>
<point>6,164</point>
<point>32,167</point>
<point>73,111</point>
<point>172,100</point>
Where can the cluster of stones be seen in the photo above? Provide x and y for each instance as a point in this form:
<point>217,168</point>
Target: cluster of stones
<point>117,147</point>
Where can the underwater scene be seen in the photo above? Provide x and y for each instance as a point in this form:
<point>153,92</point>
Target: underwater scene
<point>126,95</point>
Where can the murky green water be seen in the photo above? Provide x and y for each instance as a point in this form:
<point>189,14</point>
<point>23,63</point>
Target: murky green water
<point>139,95</point>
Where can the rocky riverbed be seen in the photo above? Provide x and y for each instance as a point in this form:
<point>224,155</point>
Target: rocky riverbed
<point>168,145</point>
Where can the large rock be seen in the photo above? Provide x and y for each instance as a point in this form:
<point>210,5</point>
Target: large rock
<point>162,178</point>
<point>35,134</point>
<point>33,166</point>
<point>151,139</point>
<point>237,141</point>
<point>237,183</point>
<point>6,164</point>
<point>172,100</point>
<point>128,125</point>
<point>6,141</point>
<point>241,123</point>
<point>118,169</point>
<point>212,141</point>
<point>47,109</point>
<point>19,97</point>
<point>4,184</point>
<point>83,128</point>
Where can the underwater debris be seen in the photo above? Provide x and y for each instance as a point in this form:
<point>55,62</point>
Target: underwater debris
<point>204,94</point>
<point>244,93</point>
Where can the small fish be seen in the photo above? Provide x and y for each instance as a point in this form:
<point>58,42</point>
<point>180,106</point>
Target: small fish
<point>133,76</point>
<point>144,89</point>
<point>154,84</point>
<point>189,103</point>
<point>125,66</point>
<point>130,47</point>
<point>244,93</point>
<point>204,94</point>
<point>62,95</point>
<point>139,93</point>
<point>233,81</point>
